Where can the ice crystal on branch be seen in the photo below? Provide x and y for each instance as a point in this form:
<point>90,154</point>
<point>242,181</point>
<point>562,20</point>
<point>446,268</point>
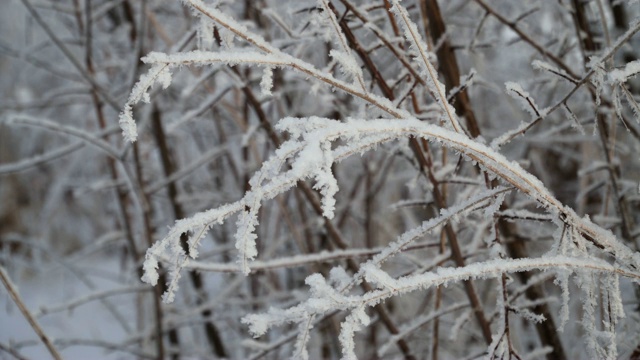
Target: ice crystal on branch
<point>468,203</point>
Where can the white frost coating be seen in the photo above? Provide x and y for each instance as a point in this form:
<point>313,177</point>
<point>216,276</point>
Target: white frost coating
<point>493,208</point>
<point>348,328</point>
<point>465,82</point>
<point>266,84</point>
<point>575,122</point>
<point>345,58</point>
<point>197,57</point>
<point>169,247</point>
<point>330,16</point>
<point>542,65</point>
<point>150,269</point>
<point>158,73</point>
<point>205,33</point>
<point>292,261</point>
<point>227,22</point>
<point>246,239</point>
<point>339,277</point>
<point>427,226</point>
<point>310,155</point>
<point>227,38</point>
<point>271,56</point>
<point>496,349</point>
<point>530,316</point>
<point>375,275</point>
<point>349,65</point>
<point>325,298</point>
<point>524,99</point>
<point>258,325</point>
<point>598,77</point>
<point>586,283</point>
<point>622,75</point>
<point>484,270</point>
<point>127,124</point>
<point>617,307</point>
<point>302,339</point>
<point>528,104</point>
<point>310,158</point>
<point>631,101</point>
<point>172,285</point>
<point>416,324</point>
<point>326,182</point>
<point>433,84</point>
<point>524,214</point>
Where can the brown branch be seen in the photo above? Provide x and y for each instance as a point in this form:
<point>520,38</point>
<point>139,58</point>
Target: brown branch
<point>168,167</point>
<point>448,63</point>
<point>426,166</point>
<point>513,25</point>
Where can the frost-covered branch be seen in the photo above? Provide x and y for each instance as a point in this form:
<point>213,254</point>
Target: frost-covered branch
<point>482,205</point>
<point>325,298</point>
<point>308,157</point>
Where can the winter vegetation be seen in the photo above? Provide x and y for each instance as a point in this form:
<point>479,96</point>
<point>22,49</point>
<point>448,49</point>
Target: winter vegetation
<point>330,179</point>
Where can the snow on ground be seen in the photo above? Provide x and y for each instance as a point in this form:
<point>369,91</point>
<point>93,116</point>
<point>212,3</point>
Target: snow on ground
<point>54,285</point>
